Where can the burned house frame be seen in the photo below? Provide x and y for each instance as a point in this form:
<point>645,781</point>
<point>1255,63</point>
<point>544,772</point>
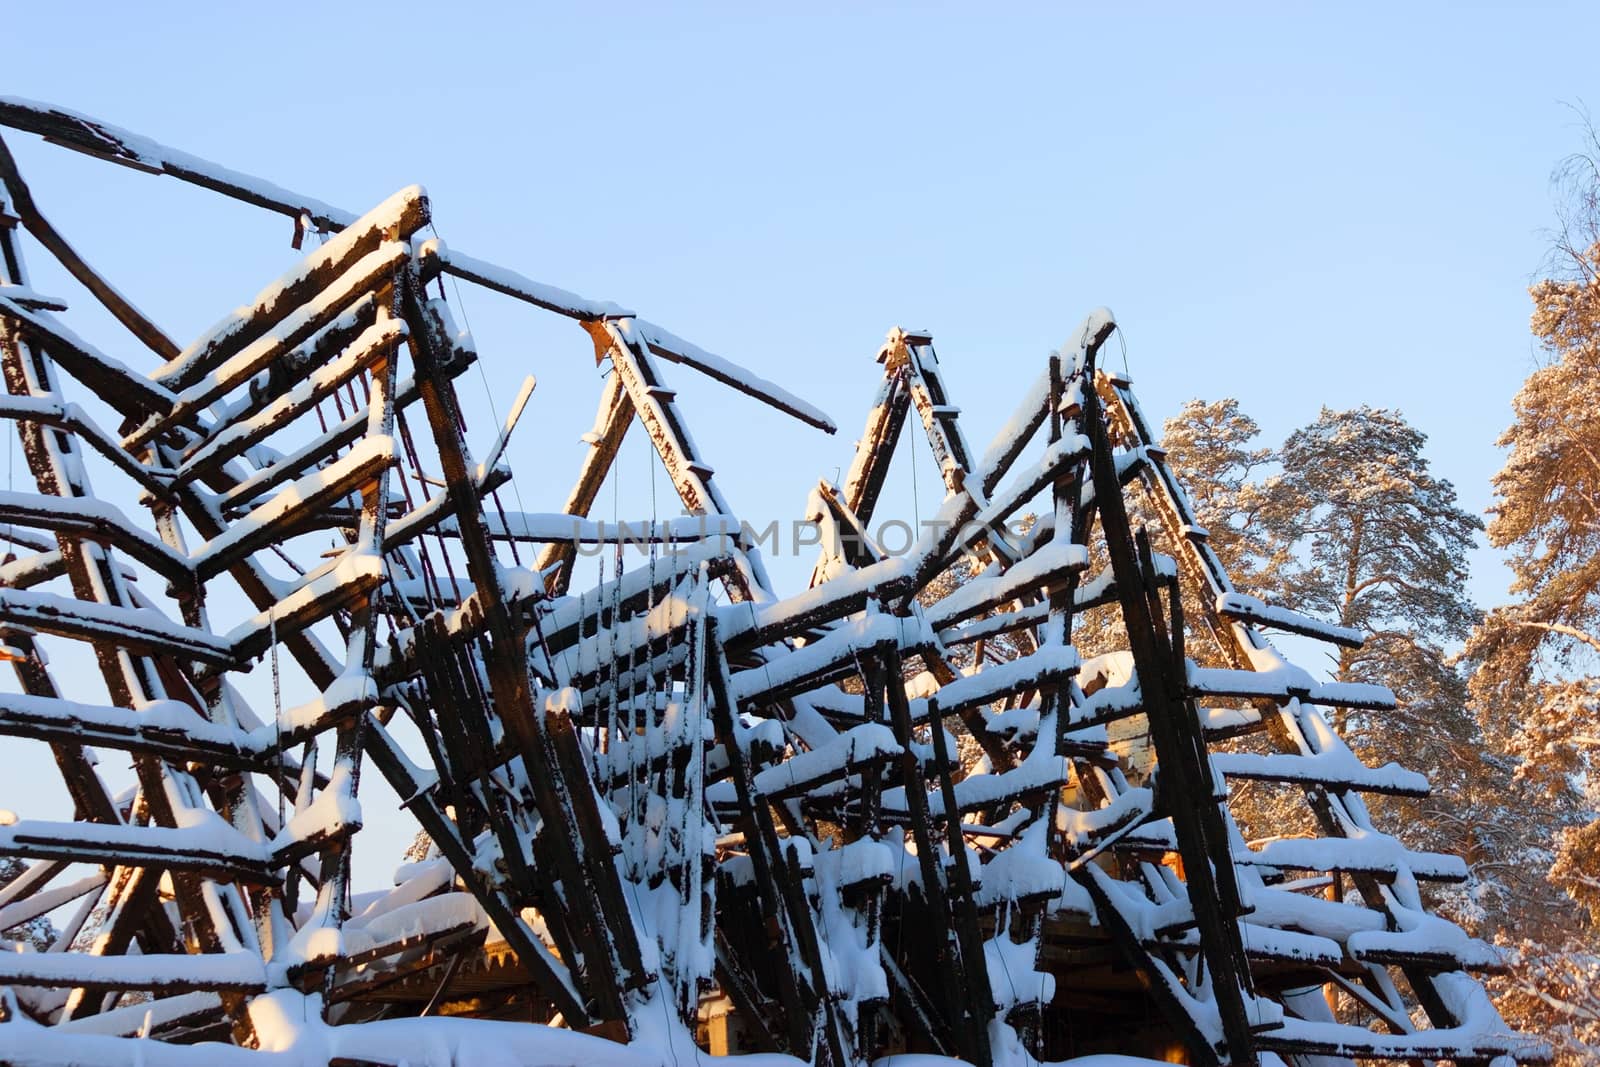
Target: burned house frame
<point>833,823</point>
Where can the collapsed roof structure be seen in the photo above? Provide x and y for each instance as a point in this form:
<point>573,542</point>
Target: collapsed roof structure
<point>833,823</point>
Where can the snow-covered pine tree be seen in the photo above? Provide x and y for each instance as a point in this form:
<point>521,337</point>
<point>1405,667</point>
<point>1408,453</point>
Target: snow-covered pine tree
<point>1541,654</point>
<point>1353,525</point>
<point>1214,444</point>
<point>1348,520</point>
<point>1383,546</point>
<point>37,932</point>
<point>1536,685</point>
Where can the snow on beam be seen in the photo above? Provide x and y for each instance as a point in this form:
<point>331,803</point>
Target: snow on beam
<point>349,695</point>
<point>82,133</point>
<point>31,298</point>
<point>1033,776</point>
<point>1300,1037</point>
<point>1338,769</point>
<point>170,729</point>
<point>1433,944</point>
<point>1249,609</point>
<point>1281,683</point>
<point>319,594</point>
<point>1014,435</point>
<point>277,518</point>
<point>799,670</point>
<point>205,843</point>
<point>298,342</point>
<point>1097,591</point>
<point>47,900</point>
<point>321,450</point>
<point>374,346</point>
<point>1049,665</point>
<point>1267,945</point>
<point>1049,566</point>
<point>862,748</point>
<point>241,972</point>
<point>401,214</point>
<point>1220,724</point>
<point>137,629</point>
<point>849,709</point>
<point>1376,854</point>
<point>433,256</point>
<point>52,411</point>
<point>95,520</point>
<point>746,626</point>
<point>112,380</point>
<point>675,349</point>
<point>1058,459</point>
<point>148,1016</point>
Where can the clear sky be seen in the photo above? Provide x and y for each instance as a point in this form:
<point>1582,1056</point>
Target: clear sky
<point>1289,205</point>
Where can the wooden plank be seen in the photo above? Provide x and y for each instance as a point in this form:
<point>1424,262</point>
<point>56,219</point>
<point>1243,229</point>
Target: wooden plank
<point>120,307</point>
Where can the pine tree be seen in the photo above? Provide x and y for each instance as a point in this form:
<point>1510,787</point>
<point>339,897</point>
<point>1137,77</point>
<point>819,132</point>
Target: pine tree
<point>1536,683</point>
<point>1384,542</point>
<point>1347,521</point>
<point>1213,444</point>
<point>1540,656</point>
<point>35,932</point>
<point>1237,496</point>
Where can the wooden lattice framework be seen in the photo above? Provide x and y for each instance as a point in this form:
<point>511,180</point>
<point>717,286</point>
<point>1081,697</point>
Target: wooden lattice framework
<point>675,789</point>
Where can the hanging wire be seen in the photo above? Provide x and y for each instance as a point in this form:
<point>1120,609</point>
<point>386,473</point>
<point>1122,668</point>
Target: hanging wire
<point>649,717</point>
<point>11,464</point>
<point>511,537</point>
<point>466,320</point>
<point>277,711</point>
<point>610,691</point>
<point>916,503</point>
<point>694,690</point>
<point>653,462</point>
<point>612,729</point>
<point>650,727</point>
<point>645,713</point>
<point>625,703</point>
<point>429,571</point>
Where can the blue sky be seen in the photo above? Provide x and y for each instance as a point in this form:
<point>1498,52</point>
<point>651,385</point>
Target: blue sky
<point>1291,205</point>
<point>1295,206</point>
